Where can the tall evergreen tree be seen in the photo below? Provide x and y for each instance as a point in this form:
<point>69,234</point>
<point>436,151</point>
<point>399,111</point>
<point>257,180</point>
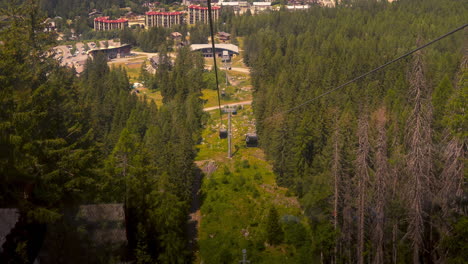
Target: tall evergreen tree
<point>274,232</point>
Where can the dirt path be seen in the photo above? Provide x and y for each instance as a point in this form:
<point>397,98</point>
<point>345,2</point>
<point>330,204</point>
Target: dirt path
<point>204,168</point>
<point>207,109</point>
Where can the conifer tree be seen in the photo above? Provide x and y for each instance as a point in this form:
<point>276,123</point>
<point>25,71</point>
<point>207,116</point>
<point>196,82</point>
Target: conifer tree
<point>362,166</point>
<point>274,232</point>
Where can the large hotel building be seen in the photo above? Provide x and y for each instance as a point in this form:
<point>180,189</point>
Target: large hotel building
<point>163,19</point>
<point>198,14</point>
<point>104,24</point>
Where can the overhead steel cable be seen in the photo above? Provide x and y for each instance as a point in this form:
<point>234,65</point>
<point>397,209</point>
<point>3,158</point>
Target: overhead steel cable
<point>369,72</point>
<point>210,19</point>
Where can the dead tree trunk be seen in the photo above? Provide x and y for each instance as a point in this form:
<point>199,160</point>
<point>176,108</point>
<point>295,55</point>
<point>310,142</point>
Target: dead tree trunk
<point>454,156</point>
<point>380,187</point>
<point>335,169</point>
<point>452,175</point>
<point>362,166</point>
<point>419,160</point>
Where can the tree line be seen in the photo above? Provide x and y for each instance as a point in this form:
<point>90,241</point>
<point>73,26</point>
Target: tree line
<point>69,140</point>
<point>379,165</point>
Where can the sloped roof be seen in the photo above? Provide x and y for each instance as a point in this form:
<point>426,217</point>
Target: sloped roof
<point>101,212</point>
<point>8,219</point>
<point>203,8</point>
<point>229,47</point>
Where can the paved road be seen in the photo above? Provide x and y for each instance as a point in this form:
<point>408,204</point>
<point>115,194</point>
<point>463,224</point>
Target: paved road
<point>207,109</point>
<point>237,69</point>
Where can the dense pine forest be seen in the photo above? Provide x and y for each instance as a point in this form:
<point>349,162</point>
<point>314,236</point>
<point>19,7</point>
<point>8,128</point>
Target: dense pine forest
<point>379,165</point>
<point>68,140</point>
<point>72,8</point>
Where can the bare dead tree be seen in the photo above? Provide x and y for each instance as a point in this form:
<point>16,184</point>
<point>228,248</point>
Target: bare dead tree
<point>380,186</point>
<point>336,176</point>
<point>394,190</point>
<point>362,170</point>
<point>348,221</point>
<point>397,172</point>
<point>452,175</point>
<point>419,160</point>
<point>454,156</point>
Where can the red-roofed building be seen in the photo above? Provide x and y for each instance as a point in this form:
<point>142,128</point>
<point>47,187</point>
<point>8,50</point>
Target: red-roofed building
<point>163,19</point>
<point>105,24</point>
<point>199,14</point>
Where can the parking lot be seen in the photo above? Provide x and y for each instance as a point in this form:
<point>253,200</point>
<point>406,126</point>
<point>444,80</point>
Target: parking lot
<point>78,58</point>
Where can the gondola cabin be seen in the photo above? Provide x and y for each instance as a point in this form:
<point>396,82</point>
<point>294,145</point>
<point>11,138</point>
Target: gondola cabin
<point>251,140</point>
<point>223,133</point>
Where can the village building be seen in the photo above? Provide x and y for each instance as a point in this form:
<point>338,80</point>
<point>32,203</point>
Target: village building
<point>197,2</point>
<point>150,5</point>
<point>163,19</point>
<point>106,24</point>
<point>225,56</point>
<point>239,8</point>
<point>113,52</point>
<point>199,14</point>
<point>50,25</point>
<point>297,7</point>
<point>258,7</point>
<point>327,3</point>
<point>9,217</point>
<point>85,234</point>
<point>207,51</point>
<point>223,36</point>
<point>176,36</point>
<point>95,13</point>
<point>155,62</point>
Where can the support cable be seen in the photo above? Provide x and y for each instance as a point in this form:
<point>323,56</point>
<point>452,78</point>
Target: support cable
<point>214,59</point>
<point>370,72</point>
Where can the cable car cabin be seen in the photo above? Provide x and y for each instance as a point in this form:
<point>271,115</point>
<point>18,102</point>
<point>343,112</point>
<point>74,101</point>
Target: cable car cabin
<point>251,140</point>
<point>223,133</point>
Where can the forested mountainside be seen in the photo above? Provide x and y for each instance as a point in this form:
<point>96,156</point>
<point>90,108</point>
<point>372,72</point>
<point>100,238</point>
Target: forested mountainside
<point>72,8</point>
<point>379,165</point>
<point>68,140</point>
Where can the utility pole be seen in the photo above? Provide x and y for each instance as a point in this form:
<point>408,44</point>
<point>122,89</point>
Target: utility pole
<point>229,134</point>
<point>226,69</point>
<point>229,110</point>
<point>244,257</point>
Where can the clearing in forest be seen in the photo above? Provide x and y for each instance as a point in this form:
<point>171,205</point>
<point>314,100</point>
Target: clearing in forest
<point>238,195</point>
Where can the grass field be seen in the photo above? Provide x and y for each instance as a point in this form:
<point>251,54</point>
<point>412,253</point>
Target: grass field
<point>237,198</point>
<point>235,62</point>
<point>152,95</point>
<point>132,67</point>
<point>233,95</point>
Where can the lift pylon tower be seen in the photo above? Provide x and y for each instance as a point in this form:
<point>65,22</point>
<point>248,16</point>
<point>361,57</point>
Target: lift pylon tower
<point>229,110</point>
<point>244,257</point>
